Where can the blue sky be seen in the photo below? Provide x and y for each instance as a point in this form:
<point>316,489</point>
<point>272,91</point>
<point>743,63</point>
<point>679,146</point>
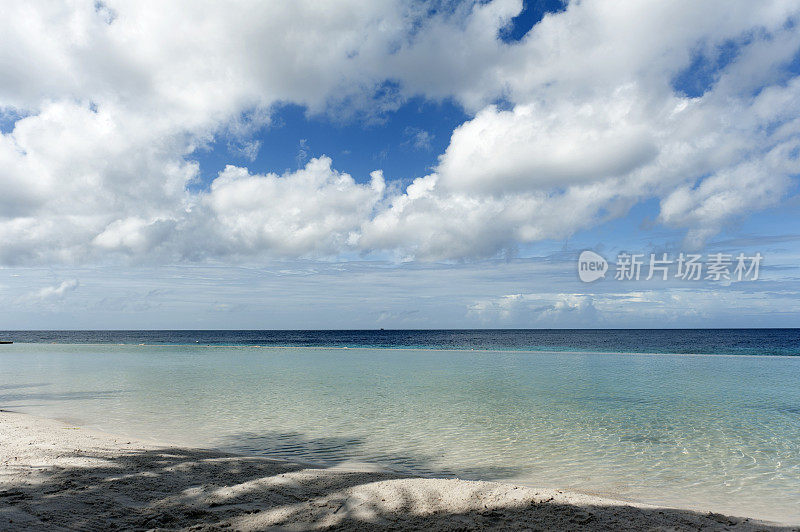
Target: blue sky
<point>405,143</point>
<point>433,164</point>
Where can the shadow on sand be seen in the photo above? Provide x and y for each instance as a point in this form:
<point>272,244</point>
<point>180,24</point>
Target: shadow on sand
<point>176,488</point>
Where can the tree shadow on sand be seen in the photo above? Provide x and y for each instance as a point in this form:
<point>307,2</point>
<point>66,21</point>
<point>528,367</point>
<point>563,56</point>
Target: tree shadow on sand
<point>176,488</point>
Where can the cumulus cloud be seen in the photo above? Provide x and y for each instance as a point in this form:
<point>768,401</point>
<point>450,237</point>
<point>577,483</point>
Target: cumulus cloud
<point>590,122</point>
<point>533,148</point>
<point>313,211</point>
<point>596,126</point>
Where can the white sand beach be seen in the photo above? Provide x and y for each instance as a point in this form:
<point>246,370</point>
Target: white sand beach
<point>54,476</point>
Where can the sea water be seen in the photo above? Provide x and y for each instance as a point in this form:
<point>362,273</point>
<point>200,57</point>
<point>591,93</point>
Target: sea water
<point>712,432</point>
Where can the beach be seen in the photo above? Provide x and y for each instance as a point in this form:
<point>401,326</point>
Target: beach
<point>56,476</point>
<point>400,265</point>
<point>706,433</point>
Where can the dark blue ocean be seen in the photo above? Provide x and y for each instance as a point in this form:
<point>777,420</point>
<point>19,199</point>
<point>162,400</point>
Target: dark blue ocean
<point>680,341</point>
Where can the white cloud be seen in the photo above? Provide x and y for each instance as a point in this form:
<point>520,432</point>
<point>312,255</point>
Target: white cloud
<point>539,310</point>
<point>80,171</point>
<point>747,187</point>
<point>57,292</point>
<point>534,149</point>
<point>664,306</point>
<point>596,126</point>
<point>419,139</point>
<point>247,149</point>
<point>313,211</point>
<point>124,92</point>
<point>541,292</point>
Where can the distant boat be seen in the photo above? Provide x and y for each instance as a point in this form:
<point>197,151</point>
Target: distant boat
<point>6,342</point>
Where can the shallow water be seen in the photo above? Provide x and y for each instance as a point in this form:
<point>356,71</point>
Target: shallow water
<point>711,432</point>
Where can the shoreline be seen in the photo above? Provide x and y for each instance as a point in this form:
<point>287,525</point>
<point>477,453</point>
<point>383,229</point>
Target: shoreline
<point>54,475</point>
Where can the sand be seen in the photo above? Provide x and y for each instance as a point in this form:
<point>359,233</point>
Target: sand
<point>58,477</point>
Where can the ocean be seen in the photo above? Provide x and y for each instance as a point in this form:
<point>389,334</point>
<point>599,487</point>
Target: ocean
<point>693,418</point>
<point>679,341</point>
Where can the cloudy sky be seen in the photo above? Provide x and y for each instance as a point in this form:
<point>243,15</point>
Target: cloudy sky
<point>362,164</point>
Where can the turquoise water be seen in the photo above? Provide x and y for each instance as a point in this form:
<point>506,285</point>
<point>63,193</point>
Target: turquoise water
<point>710,432</point>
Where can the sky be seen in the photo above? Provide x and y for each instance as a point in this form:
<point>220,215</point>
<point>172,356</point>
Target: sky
<point>387,164</point>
